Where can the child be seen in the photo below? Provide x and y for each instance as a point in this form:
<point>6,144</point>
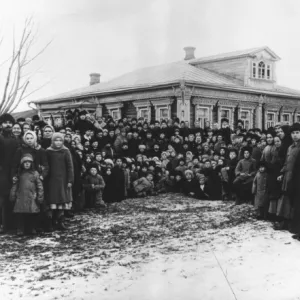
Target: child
<point>59,181</point>
<point>28,195</point>
<point>94,186</point>
<point>144,186</point>
<point>203,190</point>
<point>109,185</point>
<point>190,184</point>
<point>259,189</point>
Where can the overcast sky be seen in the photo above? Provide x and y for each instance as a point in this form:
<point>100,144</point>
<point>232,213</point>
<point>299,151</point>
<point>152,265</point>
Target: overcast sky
<point>117,36</point>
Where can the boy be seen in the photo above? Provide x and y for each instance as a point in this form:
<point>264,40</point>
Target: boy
<point>245,172</point>
<point>94,186</point>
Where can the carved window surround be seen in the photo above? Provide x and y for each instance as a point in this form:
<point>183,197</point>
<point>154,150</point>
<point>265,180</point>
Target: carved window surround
<point>161,105</point>
<point>114,109</point>
<point>141,107</point>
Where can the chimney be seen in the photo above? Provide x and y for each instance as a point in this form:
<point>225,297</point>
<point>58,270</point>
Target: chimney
<point>189,52</point>
<point>94,78</point>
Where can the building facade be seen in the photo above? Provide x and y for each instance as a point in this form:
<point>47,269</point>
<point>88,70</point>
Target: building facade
<point>239,85</point>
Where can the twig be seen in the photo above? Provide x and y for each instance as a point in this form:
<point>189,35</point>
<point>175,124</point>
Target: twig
<point>224,274</point>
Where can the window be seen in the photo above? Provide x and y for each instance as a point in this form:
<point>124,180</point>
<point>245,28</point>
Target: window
<point>115,113</point>
<point>202,115</point>
<point>261,70</point>
<point>162,113</point>
<point>254,70</point>
<point>270,120</point>
<point>298,118</point>
<point>225,113</point>
<point>144,113</point>
<point>268,72</point>
<point>246,118</point>
<point>286,118</point>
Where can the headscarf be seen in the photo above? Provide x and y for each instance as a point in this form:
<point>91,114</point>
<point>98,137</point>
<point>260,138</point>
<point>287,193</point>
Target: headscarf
<point>51,127</point>
<point>34,137</point>
<point>56,136</point>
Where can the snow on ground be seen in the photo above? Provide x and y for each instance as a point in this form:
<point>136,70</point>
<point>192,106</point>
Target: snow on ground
<point>166,247</point>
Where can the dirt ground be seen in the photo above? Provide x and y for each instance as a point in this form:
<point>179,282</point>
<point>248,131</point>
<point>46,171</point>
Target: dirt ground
<point>166,247</point>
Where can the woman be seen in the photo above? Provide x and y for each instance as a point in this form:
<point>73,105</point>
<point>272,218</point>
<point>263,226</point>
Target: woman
<point>26,127</point>
<point>30,146</point>
<point>17,132</point>
<point>48,131</point>
<point>59,181</point>
<point>273,173</point>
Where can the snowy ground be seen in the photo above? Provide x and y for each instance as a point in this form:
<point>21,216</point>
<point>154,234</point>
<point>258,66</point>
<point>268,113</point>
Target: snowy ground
<point>155,248</point>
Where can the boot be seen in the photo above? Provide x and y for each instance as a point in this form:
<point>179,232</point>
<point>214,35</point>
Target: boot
<point>49,226</point>
<point>69,214</point>
<point>61,225</point>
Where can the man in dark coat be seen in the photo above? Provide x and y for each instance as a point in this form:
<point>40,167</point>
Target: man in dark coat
<point>291,178</point>
<point>83,124</point>
<point>118,177</point>
<point>8,147</point>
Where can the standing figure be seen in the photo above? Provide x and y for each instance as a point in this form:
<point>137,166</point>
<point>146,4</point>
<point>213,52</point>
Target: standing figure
<point>59,181</point>
<point>8,147</point>
<point>27,194</point>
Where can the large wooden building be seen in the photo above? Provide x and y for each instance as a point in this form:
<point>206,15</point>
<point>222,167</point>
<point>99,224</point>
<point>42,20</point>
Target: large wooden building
<point>237,85</point>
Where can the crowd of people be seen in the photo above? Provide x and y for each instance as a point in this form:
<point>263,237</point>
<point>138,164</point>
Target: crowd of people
<point>48,173</point>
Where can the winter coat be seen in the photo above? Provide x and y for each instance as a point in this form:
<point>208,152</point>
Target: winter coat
<point>118,143</point>
<point>190,187</point>
<point>8,147</point>
<point>27,193</point>
<point>247,166</point>
<point>203,194</point>
<point>260,189</point>
<point>118,179</point>
<point>94,194</point>
<point>61,173</point>
<point>40,162</point>
<point>289,168</point>
<point>143,186</point>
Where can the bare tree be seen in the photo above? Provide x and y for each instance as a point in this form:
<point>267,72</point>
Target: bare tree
<point>17,81</point>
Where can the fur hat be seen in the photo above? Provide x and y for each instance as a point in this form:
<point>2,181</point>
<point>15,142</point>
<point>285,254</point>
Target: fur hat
<point>189,172</point>
<point>21,120</point>
<point>294,127</point>
<point>26,157</point>
<point>82,113</point>
<point>7,118</point>
<point>109,161</point>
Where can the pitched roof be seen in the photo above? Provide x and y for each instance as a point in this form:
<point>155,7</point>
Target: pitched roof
<point>151,76</point>
<point>234,54</point>
<point>171,73</point>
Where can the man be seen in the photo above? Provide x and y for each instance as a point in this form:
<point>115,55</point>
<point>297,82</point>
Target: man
<point>244,172</point>
<point>290,184</point>
<point>8,147</point>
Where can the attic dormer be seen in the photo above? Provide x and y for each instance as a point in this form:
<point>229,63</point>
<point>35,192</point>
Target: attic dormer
<point>261,71</point>
<point>253,67</point>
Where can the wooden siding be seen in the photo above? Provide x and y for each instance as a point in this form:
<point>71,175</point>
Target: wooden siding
<point>232,67</point>
<point>129,110</point>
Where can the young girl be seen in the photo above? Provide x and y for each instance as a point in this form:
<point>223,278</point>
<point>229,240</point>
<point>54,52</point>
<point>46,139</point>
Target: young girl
<point>259,189</point>
<point>28,195</point>
<point>94,185</point>
<point>59,181</point>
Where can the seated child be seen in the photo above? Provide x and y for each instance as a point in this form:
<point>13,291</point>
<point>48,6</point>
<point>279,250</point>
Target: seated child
<point>190,184</point>
<point>144,186</point>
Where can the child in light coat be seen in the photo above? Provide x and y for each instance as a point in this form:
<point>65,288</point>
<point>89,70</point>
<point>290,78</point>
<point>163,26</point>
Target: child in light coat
<point>27,194</point>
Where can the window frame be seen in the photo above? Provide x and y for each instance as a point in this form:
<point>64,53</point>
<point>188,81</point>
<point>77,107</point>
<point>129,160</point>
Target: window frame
<point>247,120</point>
<point>289,118</point>
<point>254,69</point>
<point>197,118</point>
<point>158,109</point>
<point>144,108</point>
<point>115,110</point>
<point>261,70</point>
<point>272,121</point>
